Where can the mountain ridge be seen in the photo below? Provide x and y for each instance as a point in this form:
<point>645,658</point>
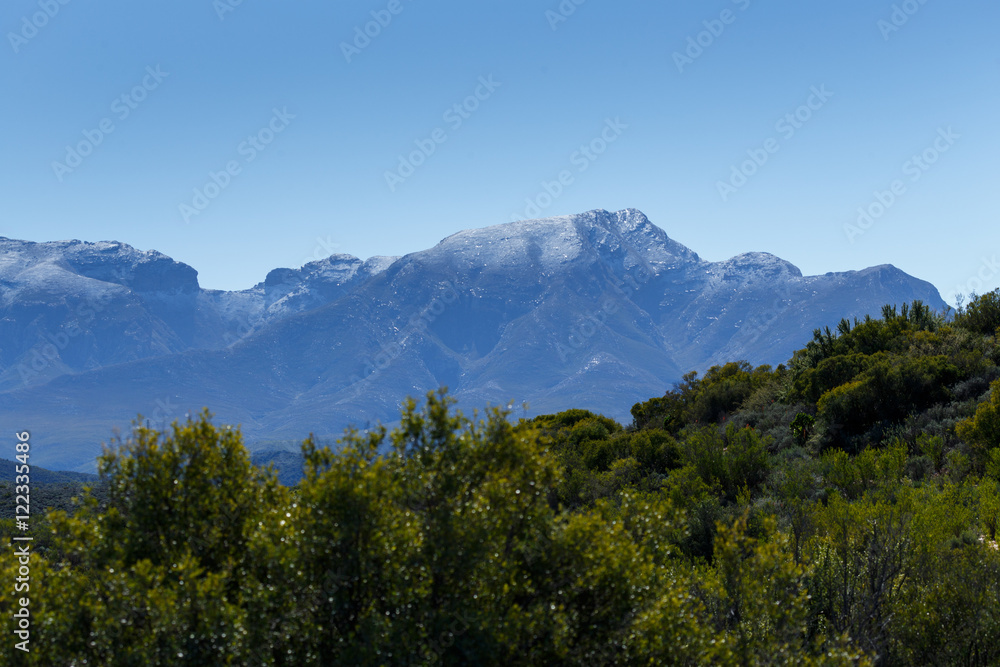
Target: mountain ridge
<point>597,309</point>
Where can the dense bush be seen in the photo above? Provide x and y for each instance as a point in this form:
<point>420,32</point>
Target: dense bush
<point>887,391</point>
<point>702,400</point>
<point>841,511</point>
<point>981,315</point>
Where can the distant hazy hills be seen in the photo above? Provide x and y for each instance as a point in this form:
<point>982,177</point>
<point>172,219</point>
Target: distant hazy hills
<point>597,310</point>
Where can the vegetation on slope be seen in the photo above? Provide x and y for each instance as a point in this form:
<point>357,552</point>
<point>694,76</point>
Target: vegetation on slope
<point>841,509</point>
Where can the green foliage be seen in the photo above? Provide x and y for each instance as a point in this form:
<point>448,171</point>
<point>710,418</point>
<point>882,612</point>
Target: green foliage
<point>194,491</point>
<point>438,535</point>
<point>165,573</point>
<point>564,424</point>
<point>861,563</point>
<point>710,399</point>
<point>982,430</point>
<point>802,427</point>
<point>832,372</point>
<point>888,391</point>
<point>953,617</point>
<point>841,512</point>
<point>933,447</point>
<point>731,462</point>
<point>600,458</point>
<point>989,510</point>
<point>870,336</point>
<point>871,470</point>
<point>761,603</point>
<point>723,390</point>
<point>981,315</point>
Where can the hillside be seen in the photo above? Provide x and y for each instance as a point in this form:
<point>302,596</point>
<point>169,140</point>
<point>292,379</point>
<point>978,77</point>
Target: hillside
<point>595,311</point>
<point>840,509</point>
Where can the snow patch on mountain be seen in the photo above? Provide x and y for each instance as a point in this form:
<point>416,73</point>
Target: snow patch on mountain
<point>552,311</point>
<point>544,244</point>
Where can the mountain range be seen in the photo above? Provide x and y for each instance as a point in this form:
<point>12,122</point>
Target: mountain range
<point>597,310</point>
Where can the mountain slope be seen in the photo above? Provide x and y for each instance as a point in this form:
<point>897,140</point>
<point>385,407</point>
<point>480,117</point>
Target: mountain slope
<point>589,311</point>
<point>73,306</point>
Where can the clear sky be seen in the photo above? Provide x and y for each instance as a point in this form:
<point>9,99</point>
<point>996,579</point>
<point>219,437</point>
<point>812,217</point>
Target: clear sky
<point>311,117</point>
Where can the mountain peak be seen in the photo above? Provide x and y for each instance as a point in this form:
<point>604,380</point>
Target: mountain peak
<point>635,232</point>
<point>624,221</point>
<point>760,262</point>
<point>551,242</point>
<point>589,310</point>
<point>105,261</point>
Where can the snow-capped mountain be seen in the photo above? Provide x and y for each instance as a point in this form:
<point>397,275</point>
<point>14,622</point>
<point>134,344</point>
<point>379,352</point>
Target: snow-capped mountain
<point>72,306</point>
<point>597,310</point>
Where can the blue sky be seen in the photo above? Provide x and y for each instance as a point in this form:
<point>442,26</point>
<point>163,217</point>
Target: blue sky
<point>209,85</point>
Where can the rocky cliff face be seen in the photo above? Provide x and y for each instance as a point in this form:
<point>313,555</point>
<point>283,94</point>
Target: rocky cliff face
<point>598,311</point>
<point>71,306</point>
<point>290,291</point>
